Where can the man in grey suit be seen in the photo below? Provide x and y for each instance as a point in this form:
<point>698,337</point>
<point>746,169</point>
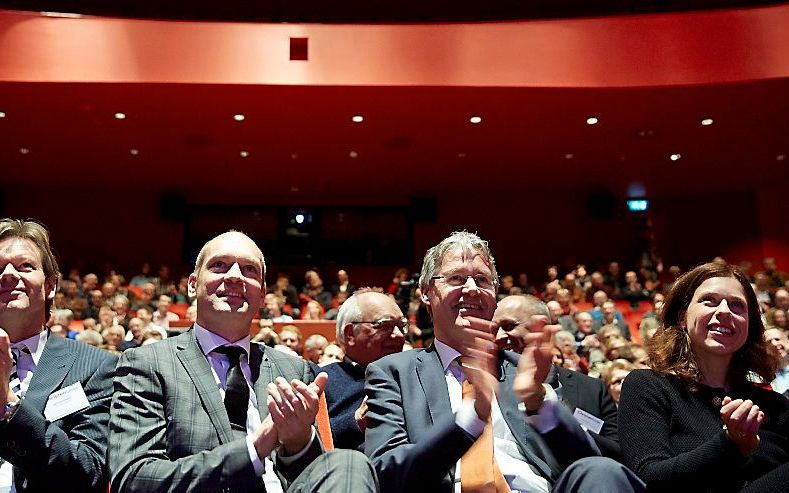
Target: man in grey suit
<point>210,411</point>
<point>54,393</point>
<point>423,420</point>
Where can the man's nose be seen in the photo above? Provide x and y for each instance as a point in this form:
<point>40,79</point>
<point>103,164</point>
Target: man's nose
<point>9,271</point>
<point>234,272</point>
<point>470,286</point>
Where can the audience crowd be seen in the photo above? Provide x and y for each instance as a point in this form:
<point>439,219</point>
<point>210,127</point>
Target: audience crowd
<point>606,324</point>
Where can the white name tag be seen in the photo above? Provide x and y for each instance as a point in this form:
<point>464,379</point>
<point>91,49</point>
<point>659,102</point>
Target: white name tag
<point>588,421</point>
<point>65,401</point>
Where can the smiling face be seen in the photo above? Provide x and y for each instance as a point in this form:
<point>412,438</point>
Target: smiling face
<point>448,302</point>
<point>228,285</point>
<point>717,318</point>
<point>23,288</point>
<point>513,317</point>
<point>364,342</point>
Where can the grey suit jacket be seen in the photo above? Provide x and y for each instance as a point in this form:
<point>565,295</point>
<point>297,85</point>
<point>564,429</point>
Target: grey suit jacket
<point>412,438</point>
<point>169,430</point>
<point>70,453</point>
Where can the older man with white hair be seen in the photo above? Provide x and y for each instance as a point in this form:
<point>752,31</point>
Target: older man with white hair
<point>370,326</point>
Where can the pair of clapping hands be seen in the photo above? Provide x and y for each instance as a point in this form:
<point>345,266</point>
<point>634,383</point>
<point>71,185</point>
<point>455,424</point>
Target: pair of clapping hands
<point>480,360</point>
<point>292,409</point>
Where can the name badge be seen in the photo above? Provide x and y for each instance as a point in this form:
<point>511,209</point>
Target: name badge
<point>65,401</point>
<point>588,421</point>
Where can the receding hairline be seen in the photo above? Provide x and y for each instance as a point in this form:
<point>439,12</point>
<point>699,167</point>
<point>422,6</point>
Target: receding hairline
<point>203,254</point>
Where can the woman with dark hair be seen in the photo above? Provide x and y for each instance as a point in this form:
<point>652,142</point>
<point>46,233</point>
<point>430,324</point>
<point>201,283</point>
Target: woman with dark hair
<point>700,419</point>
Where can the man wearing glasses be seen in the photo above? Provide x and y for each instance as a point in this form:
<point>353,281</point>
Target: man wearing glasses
<point>370,326</point>
<point>457,417</point>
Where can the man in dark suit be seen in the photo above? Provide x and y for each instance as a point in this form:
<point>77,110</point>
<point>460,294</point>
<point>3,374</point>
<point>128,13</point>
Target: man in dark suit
<point>370,326</point>
<point>425,431</point>
<point>208,410</point>
<point>55,405</point>
<point>514,318</point>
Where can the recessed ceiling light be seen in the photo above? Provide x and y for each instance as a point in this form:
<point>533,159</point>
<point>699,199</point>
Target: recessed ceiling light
<point>238,117</point>
<point>569,156</point>
<point>592,120</point>
<point>294,156</point>
<point>706,122</point>
<point>24,150</point>
<point>461,155</point>
<point>243,153</point>
<point>134,152</point>
<point>475,119</point>
<point>780,157</point>
<point>675,157</point>
<point>120,116</point>
<point>357,118</point>
<point>354,154</point>
<point>2,114</point>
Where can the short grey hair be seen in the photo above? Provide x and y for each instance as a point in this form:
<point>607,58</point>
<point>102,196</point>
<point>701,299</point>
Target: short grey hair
<point>459,239</point>
<point>535,306</point>
<point>349,312</point>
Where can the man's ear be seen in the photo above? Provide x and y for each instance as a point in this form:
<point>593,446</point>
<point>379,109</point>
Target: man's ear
<point>424,298</point>
<point>347,332</point>
<point>51,287</point>
<point>192,285</point>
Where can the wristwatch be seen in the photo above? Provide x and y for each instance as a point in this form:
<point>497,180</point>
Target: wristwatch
<point>9,410</point>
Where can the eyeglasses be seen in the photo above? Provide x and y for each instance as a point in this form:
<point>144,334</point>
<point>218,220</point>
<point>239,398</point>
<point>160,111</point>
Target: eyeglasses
<point>456,280</point>
<point>388,325</point>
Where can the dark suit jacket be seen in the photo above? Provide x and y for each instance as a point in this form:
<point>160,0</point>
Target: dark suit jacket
<point>587,393</point>
<point>70,453</point>
<point>412,438</point>
<point>169,430</point>
<point>344,394</point>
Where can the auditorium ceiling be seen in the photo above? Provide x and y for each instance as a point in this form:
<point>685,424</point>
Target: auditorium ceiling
<point>388,112</point>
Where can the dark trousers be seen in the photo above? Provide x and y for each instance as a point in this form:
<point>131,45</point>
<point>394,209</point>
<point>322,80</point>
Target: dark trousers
<point>598,474</point>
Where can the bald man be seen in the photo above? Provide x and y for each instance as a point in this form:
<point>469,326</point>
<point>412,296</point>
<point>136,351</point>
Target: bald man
<point>514,317</point>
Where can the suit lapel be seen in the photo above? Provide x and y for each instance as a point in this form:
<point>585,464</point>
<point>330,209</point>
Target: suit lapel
<point>530,442</point>
<point>53,366</point>
<point>430,373</point>
<point>260,369</point>
<point>199,370</point>
<point>569,389</point>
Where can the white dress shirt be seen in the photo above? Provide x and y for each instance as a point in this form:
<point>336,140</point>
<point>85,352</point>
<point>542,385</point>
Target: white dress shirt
<point>219,366</point>
<point>516,470</point>
<point>25,367</point>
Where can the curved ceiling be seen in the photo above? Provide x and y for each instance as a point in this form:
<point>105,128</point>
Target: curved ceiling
<point>649,80</point>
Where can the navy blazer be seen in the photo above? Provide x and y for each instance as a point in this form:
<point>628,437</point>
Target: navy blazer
<point>70,453</point>
<point>344,393</point>
<point>412,438</point>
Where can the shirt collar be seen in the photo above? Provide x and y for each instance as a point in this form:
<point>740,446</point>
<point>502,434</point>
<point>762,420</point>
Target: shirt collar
<point>209,340</point>
<point>447,354</point>
<point>35,345</point>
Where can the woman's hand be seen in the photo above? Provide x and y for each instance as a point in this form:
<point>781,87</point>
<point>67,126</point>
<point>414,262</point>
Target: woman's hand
<point>742,419</point>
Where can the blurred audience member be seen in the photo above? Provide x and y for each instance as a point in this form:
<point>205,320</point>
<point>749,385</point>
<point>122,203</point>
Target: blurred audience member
<point>313,347</point>
<point>314,291</point>
<point>274,303</point>
<point>290,337</point>
<point>343,284</point>
<point>613,374</point>
<point>780,341</point>
<point>332,353</point>
<point>162,317</point>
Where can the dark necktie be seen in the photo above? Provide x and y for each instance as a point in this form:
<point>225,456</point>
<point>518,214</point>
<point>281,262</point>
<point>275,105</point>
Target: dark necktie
<point>236,390</point>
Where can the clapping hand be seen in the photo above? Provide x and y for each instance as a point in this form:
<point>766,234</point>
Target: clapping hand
<point>535,362</point>
<point>480,358</point>
<point>742,419</point>
<point>293,407</point>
